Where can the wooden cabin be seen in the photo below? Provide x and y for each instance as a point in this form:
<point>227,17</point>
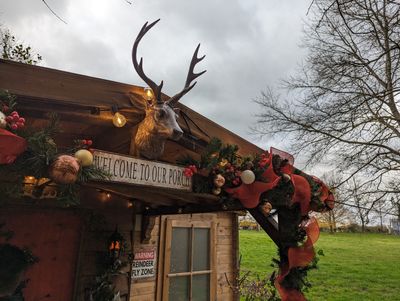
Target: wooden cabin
<point>177,243</point>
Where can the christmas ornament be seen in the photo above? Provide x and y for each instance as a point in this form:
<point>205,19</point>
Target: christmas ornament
<point>3,122</point>
<point>248,176</point>
<point>219,181</point>
<point>64,170</point>
<point>216,191</point>
<point>11,146</point>
<point>84,157</point>
<point>266,208</point>
<point>15,121</point>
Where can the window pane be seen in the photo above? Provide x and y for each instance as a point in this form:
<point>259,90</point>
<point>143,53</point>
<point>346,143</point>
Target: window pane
<point>179,288</point>
<point>180,250</point>
<point>201,249</point>
<point>201,288</point>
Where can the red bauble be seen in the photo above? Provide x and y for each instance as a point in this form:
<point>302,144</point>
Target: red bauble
<point>11,146</point>
<point>64,170</point>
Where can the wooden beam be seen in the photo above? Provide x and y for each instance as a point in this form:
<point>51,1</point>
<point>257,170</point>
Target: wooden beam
<point>269,225</point>
<point>148,223</point>
<point>193,208</point>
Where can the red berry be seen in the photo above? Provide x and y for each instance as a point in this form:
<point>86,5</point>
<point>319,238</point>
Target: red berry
<point>83,141</point>
<point>15,118</point>
<point>89,142</point>
<point>21,119</point>
<point>9,119</point>
<point>14,113</point>
<point>20,124</point>
<point>14,126</point>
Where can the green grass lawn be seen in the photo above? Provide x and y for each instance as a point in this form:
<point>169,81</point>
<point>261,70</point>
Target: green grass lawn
<point>355,267</point>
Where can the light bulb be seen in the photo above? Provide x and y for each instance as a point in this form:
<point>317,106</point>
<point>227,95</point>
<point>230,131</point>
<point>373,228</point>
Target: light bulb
<point>119,120</point>
<point>149,93</point>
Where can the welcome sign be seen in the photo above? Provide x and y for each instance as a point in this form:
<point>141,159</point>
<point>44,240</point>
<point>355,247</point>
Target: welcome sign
<point>125,169</point>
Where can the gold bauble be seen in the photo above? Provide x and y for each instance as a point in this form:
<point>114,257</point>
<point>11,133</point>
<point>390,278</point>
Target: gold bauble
<point>64,170</point>
<point>84,157</point>
<point>219,181</point>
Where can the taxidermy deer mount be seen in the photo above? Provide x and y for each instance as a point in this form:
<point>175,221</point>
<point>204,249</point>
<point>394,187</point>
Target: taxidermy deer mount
<point>160,122</point>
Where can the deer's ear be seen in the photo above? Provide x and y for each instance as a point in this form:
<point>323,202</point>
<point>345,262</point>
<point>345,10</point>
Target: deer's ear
<point>138,101</point>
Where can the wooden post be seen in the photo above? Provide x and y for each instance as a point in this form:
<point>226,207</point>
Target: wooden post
<point>132,238</point>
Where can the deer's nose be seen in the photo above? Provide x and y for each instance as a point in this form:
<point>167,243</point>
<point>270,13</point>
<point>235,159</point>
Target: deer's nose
<point>177,134</point>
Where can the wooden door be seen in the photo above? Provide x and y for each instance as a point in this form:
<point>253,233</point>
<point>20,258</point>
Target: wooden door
<point>53,235</point>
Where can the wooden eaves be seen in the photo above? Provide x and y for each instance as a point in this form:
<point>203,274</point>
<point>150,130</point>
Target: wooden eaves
<point>76,98</point>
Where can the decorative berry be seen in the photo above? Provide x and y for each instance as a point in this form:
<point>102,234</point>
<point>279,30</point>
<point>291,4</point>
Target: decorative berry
<point>9,119</point>
<point>21,119</point>
<point>14,126</point>
<point>89,142</point>
<point>15,118</point>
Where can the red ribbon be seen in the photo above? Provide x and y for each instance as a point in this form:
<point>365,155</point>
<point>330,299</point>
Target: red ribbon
<point>11,146</point>
<point>298,257</point>
<point>249,195</point>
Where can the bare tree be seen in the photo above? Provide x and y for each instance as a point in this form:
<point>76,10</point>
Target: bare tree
<point>362,202</point>
<point>344,102</point>
<point>340,215</point>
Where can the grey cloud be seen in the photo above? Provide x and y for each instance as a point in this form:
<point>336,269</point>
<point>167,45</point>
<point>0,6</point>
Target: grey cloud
<point>249,44</point>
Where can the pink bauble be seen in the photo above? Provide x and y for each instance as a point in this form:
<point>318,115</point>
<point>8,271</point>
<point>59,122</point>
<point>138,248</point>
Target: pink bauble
<point>64,170</point>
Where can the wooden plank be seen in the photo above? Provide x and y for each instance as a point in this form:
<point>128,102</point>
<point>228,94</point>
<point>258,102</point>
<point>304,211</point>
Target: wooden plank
<point>213,263</point>
<point>235,254</point>
<point>161,247</point>
<point>167,258</point>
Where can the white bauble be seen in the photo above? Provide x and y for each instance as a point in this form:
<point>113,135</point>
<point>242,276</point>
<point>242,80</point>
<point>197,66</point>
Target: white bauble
<point>216,191</point>
<point>84,157</point>
<point>248,177</point>
<point>3,122</point>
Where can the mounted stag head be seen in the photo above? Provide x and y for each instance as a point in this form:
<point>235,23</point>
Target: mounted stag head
<point>160,122</point>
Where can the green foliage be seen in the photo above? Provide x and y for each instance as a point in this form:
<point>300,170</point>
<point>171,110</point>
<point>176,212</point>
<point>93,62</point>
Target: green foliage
<point>222,159</point>
<point>36,161</point>
<point>13,50</point>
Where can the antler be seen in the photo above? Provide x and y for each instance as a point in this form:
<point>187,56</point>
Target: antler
<point>190,77</point>
<point>139,67</point>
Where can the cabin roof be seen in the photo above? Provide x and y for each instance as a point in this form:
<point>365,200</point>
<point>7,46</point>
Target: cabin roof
<point>83,104</point>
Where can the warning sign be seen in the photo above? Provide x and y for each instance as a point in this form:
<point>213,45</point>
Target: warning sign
<point>143,265</point>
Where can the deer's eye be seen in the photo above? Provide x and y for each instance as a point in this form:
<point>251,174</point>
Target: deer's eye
<point>160,114</point>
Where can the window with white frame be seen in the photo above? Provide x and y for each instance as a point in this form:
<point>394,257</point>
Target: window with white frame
<point>189,266</point>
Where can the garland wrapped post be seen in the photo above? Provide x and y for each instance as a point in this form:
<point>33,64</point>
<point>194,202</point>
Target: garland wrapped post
<point>264,182</point>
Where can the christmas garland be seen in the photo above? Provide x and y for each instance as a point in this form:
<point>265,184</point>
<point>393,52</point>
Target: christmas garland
<point>264,182</point>
<point>31,165</point>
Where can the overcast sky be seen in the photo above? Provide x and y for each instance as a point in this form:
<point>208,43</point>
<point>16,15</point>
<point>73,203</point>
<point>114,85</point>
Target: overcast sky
<point>249,45</point>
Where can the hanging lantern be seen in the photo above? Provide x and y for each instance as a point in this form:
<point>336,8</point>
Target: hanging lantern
<point>115,244</point>
<point>118,120</point>
<point>149,94</point>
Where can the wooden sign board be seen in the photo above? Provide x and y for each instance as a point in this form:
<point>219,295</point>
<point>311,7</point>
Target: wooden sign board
<point>144,264</point>
<point>130,170</point>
